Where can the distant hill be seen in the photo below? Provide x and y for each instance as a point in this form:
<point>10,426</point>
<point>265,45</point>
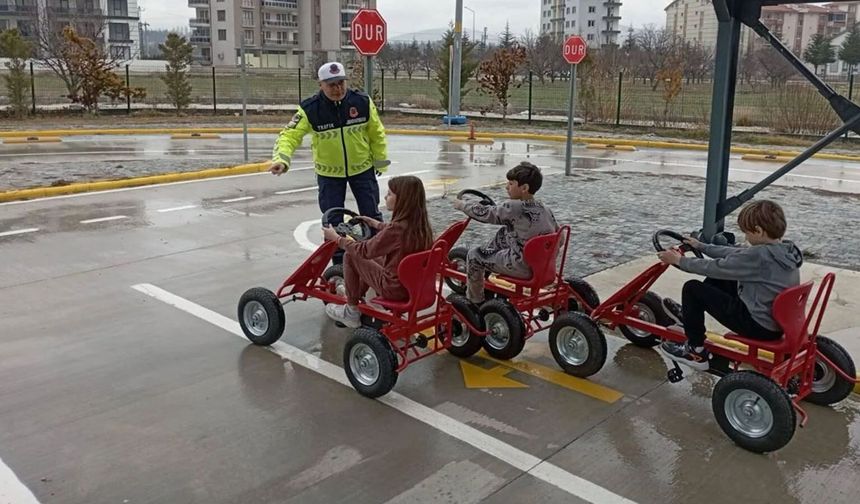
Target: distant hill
<point>431,35</point>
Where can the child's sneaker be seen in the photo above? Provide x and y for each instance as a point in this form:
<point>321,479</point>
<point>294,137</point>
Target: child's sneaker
<point>684,354</point>
<point>345,314</point>
<point>674,311</point>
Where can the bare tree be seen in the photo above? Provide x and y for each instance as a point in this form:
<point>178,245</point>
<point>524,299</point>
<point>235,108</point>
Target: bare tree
<point>428,58</point>
<point>54,49</point>
<point>698,61</point>
<point>541,50</point>
<point>776,68</point>
<point>657,47</point>
<point>749,70</point>
<point>411,58</point>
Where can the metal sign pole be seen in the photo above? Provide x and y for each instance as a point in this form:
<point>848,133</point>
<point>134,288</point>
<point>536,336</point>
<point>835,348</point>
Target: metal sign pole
<point>244,99</point>
<point>569,154</point>
<point>368,76</point>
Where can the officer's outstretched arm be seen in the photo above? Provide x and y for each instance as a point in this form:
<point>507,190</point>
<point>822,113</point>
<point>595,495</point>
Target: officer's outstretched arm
<point>378,146</point>
<point>290,138</point>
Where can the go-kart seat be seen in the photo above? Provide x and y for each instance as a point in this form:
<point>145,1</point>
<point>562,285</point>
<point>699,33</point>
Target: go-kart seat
<point>419,274</point>
<point>540,254</point>
<point>789,311</point>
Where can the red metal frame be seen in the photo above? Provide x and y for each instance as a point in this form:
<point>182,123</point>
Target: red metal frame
<point>793,356</point>
<point>545,289</point>
<point>404,320</point>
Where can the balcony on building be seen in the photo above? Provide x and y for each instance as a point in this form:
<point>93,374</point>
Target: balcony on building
<point>280,5</point>
<point>351,6</point>
<point>611,31</point>
<point>280,24</point>
<point>200,39</point>
<point>199,22</point>
<point>198,3</point>
<point>279,42</point>
<point>18,9</point>
<point>612,17</point>
<point>612,3</point>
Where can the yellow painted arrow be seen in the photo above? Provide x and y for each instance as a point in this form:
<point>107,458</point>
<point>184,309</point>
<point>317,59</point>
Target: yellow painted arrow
<point>559,378</point>
<point>478,377</point>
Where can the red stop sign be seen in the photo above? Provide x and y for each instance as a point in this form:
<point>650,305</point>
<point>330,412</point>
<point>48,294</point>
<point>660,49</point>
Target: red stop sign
<point>368,32</point>
<point>574,50</point>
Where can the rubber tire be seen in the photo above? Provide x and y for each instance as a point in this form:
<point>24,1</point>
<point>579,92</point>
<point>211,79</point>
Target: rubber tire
<point>274,311</point>
<point>516,329</point>
<point>784,416</point>
<point>585,291</point>
<point>654,303</point>
<point>841,388</point>
<point>465,309</point>
<point>457,253</point>
<point>384,355</point>
<point>597,348</point>
<point>335,270</point>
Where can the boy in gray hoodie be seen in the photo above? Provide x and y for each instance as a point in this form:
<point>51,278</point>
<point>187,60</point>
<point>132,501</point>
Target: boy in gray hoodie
<point>741,283</point>
<point>522,217</point>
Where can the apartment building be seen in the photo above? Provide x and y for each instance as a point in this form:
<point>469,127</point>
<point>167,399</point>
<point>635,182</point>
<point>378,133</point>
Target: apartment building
<point>120,18</point>
<point>694,21</point>
<point>597,21</point>
<point>275,33</point>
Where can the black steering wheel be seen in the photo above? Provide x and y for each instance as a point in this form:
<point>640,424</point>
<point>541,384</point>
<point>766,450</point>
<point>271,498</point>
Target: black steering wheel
<point>485,200</point>
<point>675,236</point>
<point>354,227</point>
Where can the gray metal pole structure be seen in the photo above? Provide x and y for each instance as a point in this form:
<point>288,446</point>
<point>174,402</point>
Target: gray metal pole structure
<point>568,161</point>
<point>368,76</point>
<point>244,97</point>
<point>454,84</point>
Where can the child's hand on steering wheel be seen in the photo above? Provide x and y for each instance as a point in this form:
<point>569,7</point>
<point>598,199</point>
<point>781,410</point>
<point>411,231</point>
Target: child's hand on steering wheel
<point>329,234</point>
<point>370,221</point>
<point>671,256</point>
<point>459,204</point>
<point>696,244</point>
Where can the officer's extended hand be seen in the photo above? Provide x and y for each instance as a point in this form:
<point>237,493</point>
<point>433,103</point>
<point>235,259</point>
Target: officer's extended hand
<point>278,168</point>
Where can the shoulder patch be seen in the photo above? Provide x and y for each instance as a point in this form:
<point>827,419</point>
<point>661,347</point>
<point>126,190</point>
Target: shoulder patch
<point>297,117</point>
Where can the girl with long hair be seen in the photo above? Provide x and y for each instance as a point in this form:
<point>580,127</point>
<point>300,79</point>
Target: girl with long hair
<point>373,263</point>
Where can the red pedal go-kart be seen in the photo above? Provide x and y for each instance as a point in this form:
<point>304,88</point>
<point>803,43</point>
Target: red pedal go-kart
<point>516,309</point>
<point>395,334</point>
<point>757,398</point>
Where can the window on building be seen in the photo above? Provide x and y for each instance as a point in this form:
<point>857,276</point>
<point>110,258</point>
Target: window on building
<point>590,36</point>
<point>591,23</point>
<point>249,37</point>
<point>118,32</point>
<point>222,15</point>
<point>121,52</point>
<point>118,8</point>
<point>247,18</point>
<point>222,34</point>
<point>592,9</point>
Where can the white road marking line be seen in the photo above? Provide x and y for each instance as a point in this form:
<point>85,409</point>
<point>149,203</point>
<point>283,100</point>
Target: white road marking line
<point>416,172</point>
<point>797,175</point>
<point>235,200</point>
<point>519,459</point>
<point>11,488</point>
<point>104,219</point>
<point>301,189</point>
<point>300,234</point>
<point>19,231</point>
<point>176,209</point>
<point>151,186</point>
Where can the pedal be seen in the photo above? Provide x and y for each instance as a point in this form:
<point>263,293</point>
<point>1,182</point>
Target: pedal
<point>675,374</point>
<point>543,315</point>
<point>421,341</point>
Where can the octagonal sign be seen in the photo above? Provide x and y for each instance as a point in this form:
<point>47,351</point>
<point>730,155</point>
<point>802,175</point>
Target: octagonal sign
<point>574,50</point>
<point>368,32</point>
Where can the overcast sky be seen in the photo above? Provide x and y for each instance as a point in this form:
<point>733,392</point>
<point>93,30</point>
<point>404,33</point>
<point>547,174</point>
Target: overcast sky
<point>406,16</point>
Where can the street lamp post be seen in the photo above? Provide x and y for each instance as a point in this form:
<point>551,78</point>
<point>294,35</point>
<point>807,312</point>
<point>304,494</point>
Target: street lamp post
<point>473,21</point>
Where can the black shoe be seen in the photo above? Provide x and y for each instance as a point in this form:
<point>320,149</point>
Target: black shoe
<point>682,353</point>
<point>674,311</point>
